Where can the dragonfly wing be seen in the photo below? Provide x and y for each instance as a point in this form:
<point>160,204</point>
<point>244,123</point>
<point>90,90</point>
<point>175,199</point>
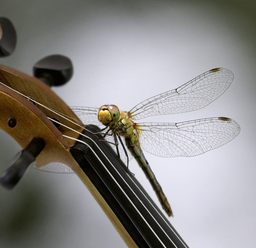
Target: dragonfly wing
<point>88,115</point>
<point>189,138</point>
<point>56,168</point>
<point>193,95</point>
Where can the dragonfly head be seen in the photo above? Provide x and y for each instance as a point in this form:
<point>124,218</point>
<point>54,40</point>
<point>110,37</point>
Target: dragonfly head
<point>108,114</point>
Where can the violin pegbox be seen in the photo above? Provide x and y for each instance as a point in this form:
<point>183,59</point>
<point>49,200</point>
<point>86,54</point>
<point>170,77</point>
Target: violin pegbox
<point>27,107</point>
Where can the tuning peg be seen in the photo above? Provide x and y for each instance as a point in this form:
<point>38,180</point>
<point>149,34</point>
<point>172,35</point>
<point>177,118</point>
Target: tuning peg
<point>54,70</point>
<point>8,37</point>
<point>21,163</point>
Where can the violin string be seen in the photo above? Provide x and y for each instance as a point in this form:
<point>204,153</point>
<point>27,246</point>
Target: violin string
<point>69,119</point>
<point>69,137</point>
<point>66,117</point>
<point>130,199</point>
<point>71,129</point>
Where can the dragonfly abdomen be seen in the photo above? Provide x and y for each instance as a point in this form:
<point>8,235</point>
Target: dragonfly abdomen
<point>134,147</point>
<point>157,188</point>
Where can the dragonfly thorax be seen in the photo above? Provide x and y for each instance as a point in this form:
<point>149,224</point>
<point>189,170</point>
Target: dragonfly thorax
<point>125,125</point>
<point>108,115</point>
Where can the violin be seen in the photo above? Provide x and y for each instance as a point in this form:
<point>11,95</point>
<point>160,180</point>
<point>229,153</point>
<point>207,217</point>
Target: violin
<point>57,135</point>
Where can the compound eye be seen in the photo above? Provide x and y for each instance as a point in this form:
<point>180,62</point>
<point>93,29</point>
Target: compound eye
<point>115,113</point>
<point>108,114</point>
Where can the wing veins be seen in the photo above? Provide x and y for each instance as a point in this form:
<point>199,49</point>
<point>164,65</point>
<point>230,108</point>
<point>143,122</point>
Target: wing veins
<point>193,95</point>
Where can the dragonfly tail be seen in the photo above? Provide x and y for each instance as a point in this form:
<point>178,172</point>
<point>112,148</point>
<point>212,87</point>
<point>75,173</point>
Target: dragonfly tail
<point>157,188</point>
<point>137,152</point>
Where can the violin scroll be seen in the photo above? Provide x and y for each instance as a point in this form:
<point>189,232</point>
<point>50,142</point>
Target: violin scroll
<point>23,118</point>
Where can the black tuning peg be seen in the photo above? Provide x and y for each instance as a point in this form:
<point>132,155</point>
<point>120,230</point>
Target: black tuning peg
<point>8,37</point>
<point>21,163</point>
<point>53,70</point>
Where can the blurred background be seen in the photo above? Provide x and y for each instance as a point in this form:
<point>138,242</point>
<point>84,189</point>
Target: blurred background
<point>124,52</point>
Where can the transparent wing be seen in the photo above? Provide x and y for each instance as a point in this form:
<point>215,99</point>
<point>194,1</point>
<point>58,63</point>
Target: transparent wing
<point>189,138</point>
<point>193,95</point>
<point>88,115</point>
<point>56,168</point>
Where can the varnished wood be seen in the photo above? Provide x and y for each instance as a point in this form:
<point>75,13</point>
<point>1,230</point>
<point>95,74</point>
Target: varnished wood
<point>32,122</point>
<point>40,92</point>
<point>105,207</point>
<point>142,219</point>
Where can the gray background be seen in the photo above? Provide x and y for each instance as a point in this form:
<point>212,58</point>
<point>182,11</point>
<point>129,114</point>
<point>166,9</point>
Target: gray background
<point>124,52</point>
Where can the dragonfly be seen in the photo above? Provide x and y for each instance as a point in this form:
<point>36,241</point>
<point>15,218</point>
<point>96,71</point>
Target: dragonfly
<point>188,138</point>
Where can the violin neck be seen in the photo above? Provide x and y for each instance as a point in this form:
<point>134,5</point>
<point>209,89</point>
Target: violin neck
<point>133,213</point>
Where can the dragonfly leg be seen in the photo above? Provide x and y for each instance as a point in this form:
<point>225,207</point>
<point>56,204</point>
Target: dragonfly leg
<point>101,131</point>
<point>105,134</point>
<point>116,144</point>
<point>127,157</point>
